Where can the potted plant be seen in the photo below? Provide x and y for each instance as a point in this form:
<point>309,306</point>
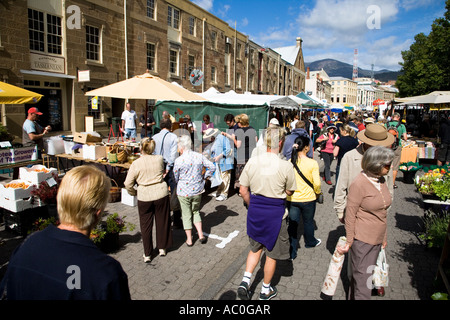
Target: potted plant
<point>106,235</point>
<point>46,193</point>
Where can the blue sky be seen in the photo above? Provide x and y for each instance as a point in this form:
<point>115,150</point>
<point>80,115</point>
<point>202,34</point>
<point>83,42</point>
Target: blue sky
<point>380,30</point>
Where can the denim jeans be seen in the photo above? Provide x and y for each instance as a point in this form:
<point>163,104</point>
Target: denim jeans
<point>129,132</point>
<point>306,211</point>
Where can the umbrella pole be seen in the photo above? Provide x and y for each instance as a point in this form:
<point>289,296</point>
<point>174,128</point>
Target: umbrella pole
<point>146,117</point>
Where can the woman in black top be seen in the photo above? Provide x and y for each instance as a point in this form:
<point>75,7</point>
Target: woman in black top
<point>346,143</point>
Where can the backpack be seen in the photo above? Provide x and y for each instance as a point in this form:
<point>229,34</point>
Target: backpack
<point>394,131</point>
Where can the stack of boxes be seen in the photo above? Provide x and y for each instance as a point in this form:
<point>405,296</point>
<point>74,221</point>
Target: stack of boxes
<point>17,200</point>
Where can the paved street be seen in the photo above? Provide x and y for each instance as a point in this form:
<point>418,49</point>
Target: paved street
<point>213,271</point>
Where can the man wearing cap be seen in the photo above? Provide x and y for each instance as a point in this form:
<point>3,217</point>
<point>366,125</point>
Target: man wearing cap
<point>373,135</point>
<point>33,133</point>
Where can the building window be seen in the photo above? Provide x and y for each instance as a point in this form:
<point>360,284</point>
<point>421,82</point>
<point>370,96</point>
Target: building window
<point>238,80</point>
<point>192,26</point>
<point>151,57</point>
<point>93,48</point>
<point>238,50</point>
<point>151,9</point>
<point>173,17</point>
<point>45,33</point>
<point>191,63</point>
<point>213,74</point>
<point>173,62</point>
<point>214,39</point>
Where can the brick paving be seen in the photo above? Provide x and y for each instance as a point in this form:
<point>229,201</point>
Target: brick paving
<point>208,272</point>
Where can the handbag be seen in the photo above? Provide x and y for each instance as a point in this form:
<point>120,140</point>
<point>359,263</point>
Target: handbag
<point>216,179</point>
<point>380,276</point>
<point>319,197</point>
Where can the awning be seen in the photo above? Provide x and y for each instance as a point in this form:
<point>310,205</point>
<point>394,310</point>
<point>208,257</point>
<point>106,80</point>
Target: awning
<point>47,74</point>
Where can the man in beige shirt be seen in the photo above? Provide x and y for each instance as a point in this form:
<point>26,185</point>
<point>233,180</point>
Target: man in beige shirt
<point>270,179</point>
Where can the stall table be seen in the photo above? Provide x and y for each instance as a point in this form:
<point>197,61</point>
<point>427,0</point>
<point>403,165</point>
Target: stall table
<point>115,167</point>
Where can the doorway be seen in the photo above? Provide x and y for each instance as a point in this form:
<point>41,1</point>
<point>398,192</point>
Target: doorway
<point>50,106</point>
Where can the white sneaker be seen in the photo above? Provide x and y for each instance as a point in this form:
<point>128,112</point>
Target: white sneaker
<point>212,194</point>
<point>162,252</point>
<point>221,198</point>
<point>147,259</point>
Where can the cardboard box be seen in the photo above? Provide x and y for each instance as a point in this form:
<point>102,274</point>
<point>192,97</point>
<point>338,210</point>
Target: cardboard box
<point>17,205</point>
<point>94,152</point>
<point>83,137</point>
<point>35,177</point>
<point>128,199</point>
<point>16,193</point>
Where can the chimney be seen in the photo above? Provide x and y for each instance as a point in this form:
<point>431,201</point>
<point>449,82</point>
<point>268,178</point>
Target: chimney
<point>307,73</point>
<point>299,42</point>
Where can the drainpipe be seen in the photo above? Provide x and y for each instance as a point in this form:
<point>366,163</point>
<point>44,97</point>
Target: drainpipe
<point>203,55</point>
<point>126,37</point>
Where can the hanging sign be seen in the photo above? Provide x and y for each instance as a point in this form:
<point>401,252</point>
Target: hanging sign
<point>196,77</point>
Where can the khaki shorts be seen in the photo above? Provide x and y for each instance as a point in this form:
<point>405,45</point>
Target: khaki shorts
<point>281,249</point>
<point>397,157</point>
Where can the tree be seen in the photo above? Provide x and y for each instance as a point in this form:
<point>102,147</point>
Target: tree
<point>426,65</point>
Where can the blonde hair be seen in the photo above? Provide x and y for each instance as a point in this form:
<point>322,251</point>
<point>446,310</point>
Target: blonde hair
<point>244,120</point>
<point>148,145</point>
<point>273,136</point>
<point>351,132</point>
<point>83,191</point>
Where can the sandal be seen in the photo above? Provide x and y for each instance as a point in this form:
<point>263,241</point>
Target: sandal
<point>395,186</point>
<point>202,240</point>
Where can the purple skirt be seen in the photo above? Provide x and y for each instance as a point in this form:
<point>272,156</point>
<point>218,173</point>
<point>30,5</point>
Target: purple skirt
<point>264,219</point>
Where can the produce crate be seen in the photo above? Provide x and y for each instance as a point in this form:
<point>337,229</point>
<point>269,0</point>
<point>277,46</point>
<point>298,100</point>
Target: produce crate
<point>18,192</point>
<point>22,222</point>
<point>36,177</point>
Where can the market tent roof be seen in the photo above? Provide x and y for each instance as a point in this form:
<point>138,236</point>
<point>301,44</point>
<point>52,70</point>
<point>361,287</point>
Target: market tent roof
<point>438,100</point>
<point>258,113</point>
<point>10,94</point>
<point>231,97</point>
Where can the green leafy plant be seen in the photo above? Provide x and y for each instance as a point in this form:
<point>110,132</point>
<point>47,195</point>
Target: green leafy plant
<point>436,225</point>
<point>41,224</point>
<point>117,224</point>
<point>442,188</point>
<point>439,296</point>
<point>97,234</point>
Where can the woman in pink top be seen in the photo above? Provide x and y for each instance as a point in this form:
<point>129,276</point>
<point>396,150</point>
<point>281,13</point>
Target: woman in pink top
<point>366,217</point>
<point>330,138</point>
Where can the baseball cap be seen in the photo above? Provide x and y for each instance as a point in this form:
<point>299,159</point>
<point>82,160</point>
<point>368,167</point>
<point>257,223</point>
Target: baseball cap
<point>34,110</point>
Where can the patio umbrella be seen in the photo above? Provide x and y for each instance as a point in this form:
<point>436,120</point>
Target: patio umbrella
<point>145,86</point>
<point>10,94</point>
<point>378,102</point>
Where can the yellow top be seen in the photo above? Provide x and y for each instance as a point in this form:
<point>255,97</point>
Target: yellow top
<point>310,169</point>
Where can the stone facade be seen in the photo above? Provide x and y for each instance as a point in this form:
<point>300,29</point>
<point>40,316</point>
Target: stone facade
<point>170,38</point>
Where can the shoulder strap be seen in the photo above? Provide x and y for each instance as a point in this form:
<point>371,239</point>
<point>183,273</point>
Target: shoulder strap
<point>161,152</point>
<point>303,177</point>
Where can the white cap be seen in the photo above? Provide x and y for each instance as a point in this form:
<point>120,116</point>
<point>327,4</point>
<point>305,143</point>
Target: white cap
<point>274,121</point>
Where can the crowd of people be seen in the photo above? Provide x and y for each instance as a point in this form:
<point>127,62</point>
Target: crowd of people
<point>272,173</point>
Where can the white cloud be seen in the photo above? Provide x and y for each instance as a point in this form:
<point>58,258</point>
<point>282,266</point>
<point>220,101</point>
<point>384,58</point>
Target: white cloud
<point>205,4</point>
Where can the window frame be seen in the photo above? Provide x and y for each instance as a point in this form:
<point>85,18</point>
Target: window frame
<point>153,17</point>
<point>150,57</point>
<point>98,45</point>
<point>177,62</point>
<point>46,32</point>
<point>171,17</point>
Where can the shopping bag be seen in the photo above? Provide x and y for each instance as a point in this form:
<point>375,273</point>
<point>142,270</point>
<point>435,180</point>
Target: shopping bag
<point>380,276</point>
<point>216,179</point>
<point>334,269</point>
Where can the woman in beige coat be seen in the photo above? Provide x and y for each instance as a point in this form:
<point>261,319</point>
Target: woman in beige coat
<point>147,173</point>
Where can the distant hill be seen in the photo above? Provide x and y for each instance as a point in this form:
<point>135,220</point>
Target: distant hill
<point>335,68</point>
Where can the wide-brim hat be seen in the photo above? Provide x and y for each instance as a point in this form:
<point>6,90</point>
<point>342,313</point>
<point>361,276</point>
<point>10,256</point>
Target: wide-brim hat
<point>369,120</point>
<point>332,127</point>
<point>376,135</point>
<point>211,132</point>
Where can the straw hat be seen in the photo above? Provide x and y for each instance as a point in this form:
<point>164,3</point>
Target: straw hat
<point>369,120</point>
<point>211,132</point>
<point>376,135</point>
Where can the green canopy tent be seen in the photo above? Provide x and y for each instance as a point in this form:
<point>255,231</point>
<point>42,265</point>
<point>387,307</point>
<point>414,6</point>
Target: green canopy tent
<point>258,114</point>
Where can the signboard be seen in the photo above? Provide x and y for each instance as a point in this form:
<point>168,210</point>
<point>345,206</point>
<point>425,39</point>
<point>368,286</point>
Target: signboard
<point>94,103</point>
<point>17,155</point>
<point>84,75</point>
<point>47,63</point>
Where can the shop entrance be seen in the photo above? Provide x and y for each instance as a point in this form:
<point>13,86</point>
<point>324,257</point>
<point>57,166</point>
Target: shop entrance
<point>50,106</point>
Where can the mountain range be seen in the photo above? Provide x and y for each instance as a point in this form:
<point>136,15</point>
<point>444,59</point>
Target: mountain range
<point>335,68</point>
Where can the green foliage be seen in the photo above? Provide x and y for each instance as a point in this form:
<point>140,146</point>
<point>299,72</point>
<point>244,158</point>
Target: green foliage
<point>436,225</point>
<point>117,224</point>
<point>426,67</point>
<point>439,296</point>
